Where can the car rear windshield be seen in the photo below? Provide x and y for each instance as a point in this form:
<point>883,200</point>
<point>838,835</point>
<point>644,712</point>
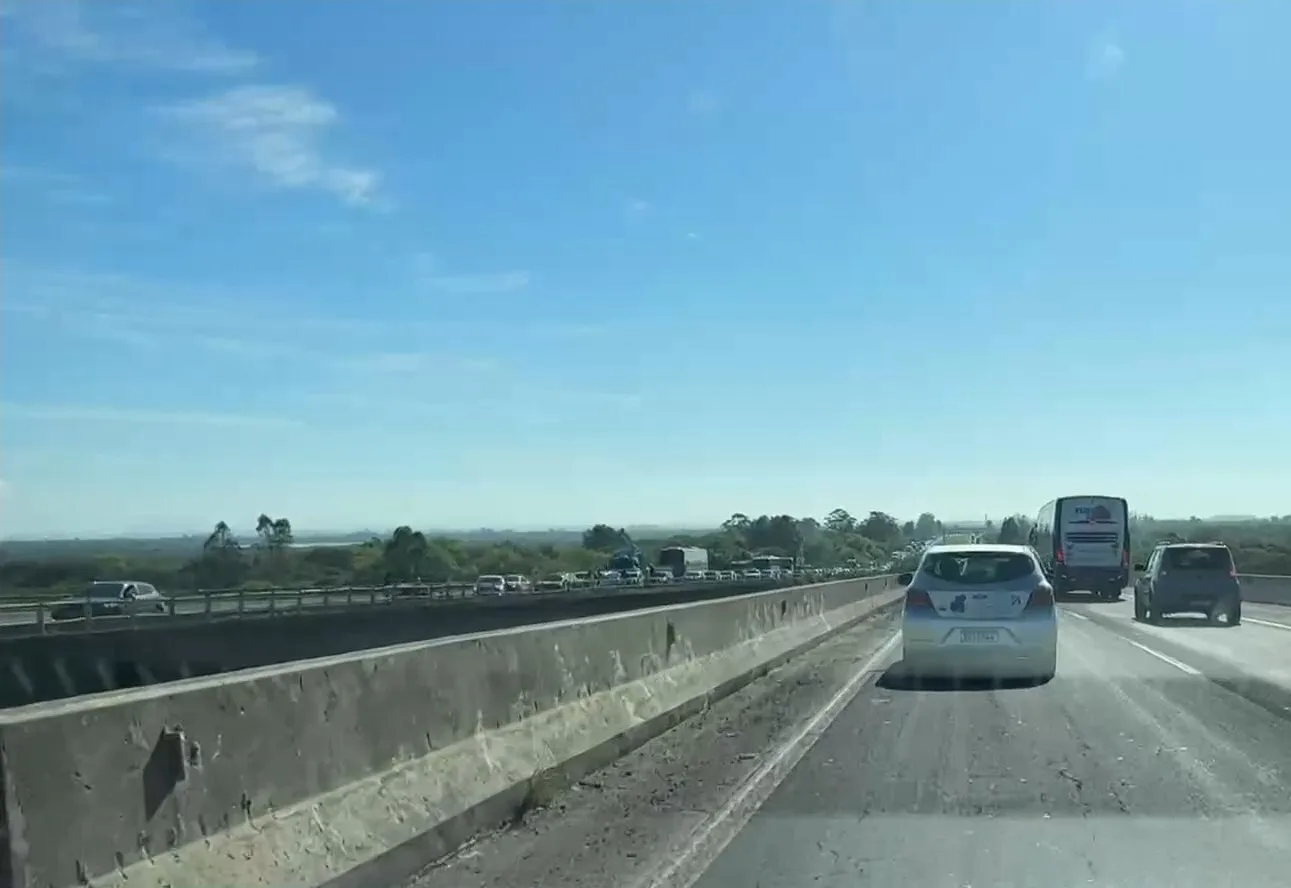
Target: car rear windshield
<point>1198,558</point>
<point>978,568</point>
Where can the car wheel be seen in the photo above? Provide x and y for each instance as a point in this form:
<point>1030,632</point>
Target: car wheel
<point>1234,612</point>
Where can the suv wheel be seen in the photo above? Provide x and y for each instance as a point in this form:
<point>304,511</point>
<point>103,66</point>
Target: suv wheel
<point>1234,611</point>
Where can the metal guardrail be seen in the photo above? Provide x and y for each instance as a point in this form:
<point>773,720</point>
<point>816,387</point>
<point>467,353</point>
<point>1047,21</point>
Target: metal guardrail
<point>20,619</point>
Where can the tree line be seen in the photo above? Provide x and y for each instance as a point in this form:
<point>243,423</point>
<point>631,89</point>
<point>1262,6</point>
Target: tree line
<point>272,559</point>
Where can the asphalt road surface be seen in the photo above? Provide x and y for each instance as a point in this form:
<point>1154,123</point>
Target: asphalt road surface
<point>1154,758</point>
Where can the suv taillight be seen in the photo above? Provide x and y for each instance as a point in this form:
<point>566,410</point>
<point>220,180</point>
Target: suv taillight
<point>1041,598</point>
<point>918,599</point>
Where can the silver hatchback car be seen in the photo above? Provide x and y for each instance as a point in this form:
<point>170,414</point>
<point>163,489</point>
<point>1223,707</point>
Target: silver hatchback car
<point>980,611</point>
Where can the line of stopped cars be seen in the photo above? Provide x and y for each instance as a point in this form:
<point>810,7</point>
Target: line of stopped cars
<point>519,584</point>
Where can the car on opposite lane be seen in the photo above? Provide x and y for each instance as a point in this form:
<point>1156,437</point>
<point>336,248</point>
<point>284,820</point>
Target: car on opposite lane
<point>110,598</point>
<point>979,610</point>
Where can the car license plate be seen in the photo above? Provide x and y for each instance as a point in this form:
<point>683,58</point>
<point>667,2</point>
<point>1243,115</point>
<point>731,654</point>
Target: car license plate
<point>978,636</point>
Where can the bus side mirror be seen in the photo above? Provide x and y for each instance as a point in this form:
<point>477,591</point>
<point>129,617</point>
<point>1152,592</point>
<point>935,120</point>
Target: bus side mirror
<point>904,579</point>
<point>1140,567</point>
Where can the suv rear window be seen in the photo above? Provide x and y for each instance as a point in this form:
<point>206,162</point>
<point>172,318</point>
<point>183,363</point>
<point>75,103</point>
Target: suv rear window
<point>1197,558</point>
<point>978,568</point>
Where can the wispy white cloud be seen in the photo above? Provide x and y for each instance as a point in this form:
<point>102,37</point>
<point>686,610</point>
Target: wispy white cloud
<point>77,413</point>
<point>418,363</point>
<point>250,349</point>
<point>277,133</point>
<point>52,185</point>
<point>1105,60</point>
<point>231,322</point>
<point>703,103</point>
<point>635,207</point>
<point>429,272</point>
<point>480,284</point>
<point>150,36</point>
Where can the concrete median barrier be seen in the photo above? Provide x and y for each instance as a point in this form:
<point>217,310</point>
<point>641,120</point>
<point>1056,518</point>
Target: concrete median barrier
<point>354,770</point>
<point>38,669</point>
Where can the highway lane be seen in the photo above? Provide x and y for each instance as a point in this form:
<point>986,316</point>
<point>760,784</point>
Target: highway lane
<point>1125,770</point>
<point>1132,767</point>
<point>1254,657</point>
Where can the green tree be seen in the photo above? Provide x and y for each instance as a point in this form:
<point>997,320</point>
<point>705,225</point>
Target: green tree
<point>1010,532</point>
<point>927,527</point>
<point>221,564</point>
<point>603,538</point>
<point>840,521</point>
<point>404,555</point>
<point>882,528</point>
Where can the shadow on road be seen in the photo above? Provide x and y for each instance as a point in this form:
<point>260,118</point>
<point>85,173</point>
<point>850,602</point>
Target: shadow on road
<point>1176,622</point>
<point>1085,598</point>
<point>899,677</point>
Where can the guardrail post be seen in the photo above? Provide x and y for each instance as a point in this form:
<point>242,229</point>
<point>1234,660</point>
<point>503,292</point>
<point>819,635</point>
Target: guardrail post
<point>40,618</point>
<point>372,595</point>
<point>300,599</point>
<point>242,602</point>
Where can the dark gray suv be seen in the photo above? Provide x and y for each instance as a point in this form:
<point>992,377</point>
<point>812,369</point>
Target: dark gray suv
<point>1188,578</point>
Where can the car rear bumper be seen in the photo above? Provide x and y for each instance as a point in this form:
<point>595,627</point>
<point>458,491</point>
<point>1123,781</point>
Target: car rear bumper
<point>1199,602</point>
<point>1021,649</point>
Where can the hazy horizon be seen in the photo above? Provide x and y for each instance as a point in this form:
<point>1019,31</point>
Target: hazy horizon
<point>672,527</point>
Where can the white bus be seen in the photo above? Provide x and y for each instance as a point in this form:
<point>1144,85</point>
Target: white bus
<point>1084,544</point>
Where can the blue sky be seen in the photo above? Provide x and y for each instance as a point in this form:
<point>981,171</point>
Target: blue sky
<point>549,263</point>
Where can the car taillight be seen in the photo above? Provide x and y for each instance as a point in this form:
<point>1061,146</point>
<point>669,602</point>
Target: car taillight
<point>1125,558</point>
<point>1058,556</point>
<point>1041,598</point>
<point>1232,572</point>
<point>917,599</point>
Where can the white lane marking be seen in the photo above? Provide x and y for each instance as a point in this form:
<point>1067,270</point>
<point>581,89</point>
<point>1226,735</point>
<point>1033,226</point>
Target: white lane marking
<point>1266,623</point>
<point>1166,658</point>
<point>744,803</point>
<point>1076,615</point>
